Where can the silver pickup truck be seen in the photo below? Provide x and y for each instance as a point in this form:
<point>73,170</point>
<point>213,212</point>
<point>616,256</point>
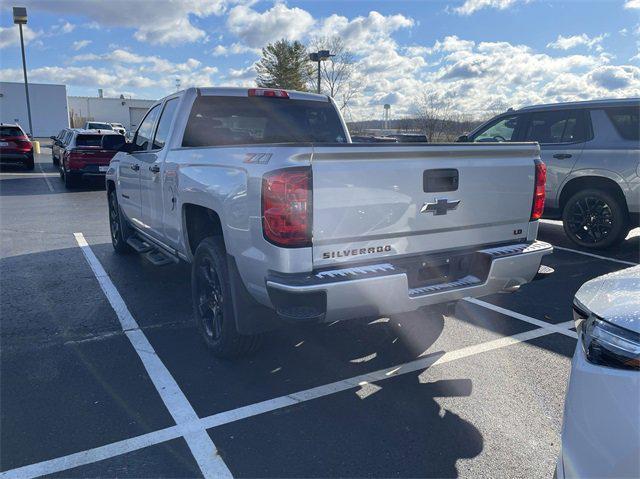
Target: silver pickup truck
<point>283,219</point>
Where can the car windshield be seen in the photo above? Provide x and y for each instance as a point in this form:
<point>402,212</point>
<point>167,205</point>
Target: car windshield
<point>89,140</point>
<point>9,131</point>
<point>228,120</point>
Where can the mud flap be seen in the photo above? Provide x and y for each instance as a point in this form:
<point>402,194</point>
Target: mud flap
<point>251,316</point>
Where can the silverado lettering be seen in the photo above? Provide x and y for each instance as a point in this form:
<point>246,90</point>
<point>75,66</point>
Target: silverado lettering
<point>355,252</point>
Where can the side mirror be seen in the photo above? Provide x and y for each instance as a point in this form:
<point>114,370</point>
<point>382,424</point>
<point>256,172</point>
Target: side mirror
<point>463,139</point>
<point>53,138</point>
<point>113,142</point>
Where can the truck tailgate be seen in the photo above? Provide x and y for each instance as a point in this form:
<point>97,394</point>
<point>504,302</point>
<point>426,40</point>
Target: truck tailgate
<point>375,201</point>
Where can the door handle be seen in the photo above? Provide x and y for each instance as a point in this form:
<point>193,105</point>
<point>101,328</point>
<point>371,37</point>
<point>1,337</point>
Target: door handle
<point>154,168</point>
<point>562,156</point>
<point>135,166</point>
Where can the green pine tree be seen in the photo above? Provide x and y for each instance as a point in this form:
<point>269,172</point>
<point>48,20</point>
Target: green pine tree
<point>284,64</point>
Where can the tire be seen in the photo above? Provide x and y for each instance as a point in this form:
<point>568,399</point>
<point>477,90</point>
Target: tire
<point>70,180</point>
<point>595,219</point>
<point>213,303</point>
<point>120,229</point>
<point>29,164</point>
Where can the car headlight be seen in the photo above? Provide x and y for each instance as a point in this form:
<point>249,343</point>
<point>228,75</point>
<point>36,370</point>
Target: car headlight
<point>606,344</point>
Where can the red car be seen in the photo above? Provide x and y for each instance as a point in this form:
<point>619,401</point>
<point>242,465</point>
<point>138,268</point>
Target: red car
<point>87,154</point>
<point>15,146</point>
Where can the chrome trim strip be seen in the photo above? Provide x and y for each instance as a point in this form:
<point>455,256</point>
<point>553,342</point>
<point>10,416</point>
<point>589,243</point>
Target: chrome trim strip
<point>356,271</point>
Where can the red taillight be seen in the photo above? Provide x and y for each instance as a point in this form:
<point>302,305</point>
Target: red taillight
<point>538,191</point>
<point>286,207</point>
<point>268,93</point>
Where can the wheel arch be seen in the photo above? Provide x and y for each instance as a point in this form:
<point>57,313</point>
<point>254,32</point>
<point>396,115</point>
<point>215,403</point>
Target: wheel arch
<point>593,181</point>
<point>199,222</point>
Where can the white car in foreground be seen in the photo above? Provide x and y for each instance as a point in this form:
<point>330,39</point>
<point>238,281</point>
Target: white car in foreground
<point>601,431</point>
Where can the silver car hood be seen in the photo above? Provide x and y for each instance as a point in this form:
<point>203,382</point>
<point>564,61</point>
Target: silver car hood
<point>614,297</point>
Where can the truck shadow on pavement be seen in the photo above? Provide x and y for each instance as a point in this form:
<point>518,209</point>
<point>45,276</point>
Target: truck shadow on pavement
<point>292,359</point>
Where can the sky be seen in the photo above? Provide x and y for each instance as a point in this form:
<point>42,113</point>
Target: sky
<point>472,56</point>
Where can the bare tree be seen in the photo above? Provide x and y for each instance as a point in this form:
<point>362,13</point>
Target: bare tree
<point>337,73</point>
<point>433,114</point>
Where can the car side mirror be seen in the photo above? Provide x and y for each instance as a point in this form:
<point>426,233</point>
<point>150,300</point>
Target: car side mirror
<point>53,138</point>
<point>463,139</point>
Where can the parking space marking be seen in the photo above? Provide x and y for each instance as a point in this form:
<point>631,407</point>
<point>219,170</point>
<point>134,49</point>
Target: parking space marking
<point>201,425</point>
<point>199,442</point>
<point>44,175</point>
<point>562,328</point>
<point>615,260</point>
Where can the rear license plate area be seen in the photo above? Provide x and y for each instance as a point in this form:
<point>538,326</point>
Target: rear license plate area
<point>427,271</point>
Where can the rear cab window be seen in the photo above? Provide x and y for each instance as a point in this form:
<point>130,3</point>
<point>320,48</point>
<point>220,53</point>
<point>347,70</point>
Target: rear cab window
<point>626,122</point>
<point>229,120</point>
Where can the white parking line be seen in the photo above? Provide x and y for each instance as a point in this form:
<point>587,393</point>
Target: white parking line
<point>199,442</point>
<point>201,425</point>
<point>44,175</point>
<point>615,260</point>
<point>562,328</point>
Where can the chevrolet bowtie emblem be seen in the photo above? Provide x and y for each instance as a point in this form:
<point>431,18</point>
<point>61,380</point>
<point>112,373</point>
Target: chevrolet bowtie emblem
<point>440,207</point>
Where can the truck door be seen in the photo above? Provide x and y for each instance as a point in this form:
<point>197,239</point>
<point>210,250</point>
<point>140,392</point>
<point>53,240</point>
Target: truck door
<point>561,135</point>
<point>152,173</point>
<point>129,168</point>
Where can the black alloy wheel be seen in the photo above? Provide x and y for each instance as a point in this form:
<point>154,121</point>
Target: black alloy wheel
<point>595,219</point>
<point>590,219</point>
<point>210,299</point>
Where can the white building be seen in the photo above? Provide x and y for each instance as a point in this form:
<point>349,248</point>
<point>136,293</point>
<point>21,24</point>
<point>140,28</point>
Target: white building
<point>127,111</point>
<point>49,113</point>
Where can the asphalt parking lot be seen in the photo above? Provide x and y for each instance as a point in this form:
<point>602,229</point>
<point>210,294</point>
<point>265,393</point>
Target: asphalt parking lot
<point>103,373</point>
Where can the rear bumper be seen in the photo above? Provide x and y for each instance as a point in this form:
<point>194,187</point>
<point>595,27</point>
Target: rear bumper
<point>383,288</point>
<point>15,156</point>
<point>88,170</point>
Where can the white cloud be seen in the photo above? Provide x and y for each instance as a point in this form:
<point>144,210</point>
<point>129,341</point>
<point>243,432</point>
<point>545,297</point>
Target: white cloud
<point>363,34</point>
<point>80,44</point>
<point>632,4</point>
<point>233,49</point>
<point>11,35</point>
<point>158,21</point>
<point>256,29</point>
<point>472,6</point>
<point>566,43</point>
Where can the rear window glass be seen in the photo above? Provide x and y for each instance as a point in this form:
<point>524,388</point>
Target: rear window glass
<point>88,140</point>
<point>220,120</point>
<point>625,119</point>
<point>99,126</point>
<point>10,131</point>
<point>557,126</point>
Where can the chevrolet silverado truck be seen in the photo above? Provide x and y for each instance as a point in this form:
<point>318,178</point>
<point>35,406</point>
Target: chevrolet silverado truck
<point>283,219</point>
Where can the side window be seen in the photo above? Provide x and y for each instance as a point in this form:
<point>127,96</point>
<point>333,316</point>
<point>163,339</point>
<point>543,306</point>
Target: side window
<point>143,135</point>
<point>503,129</point>
<point>625,120</point>
<point>162,132</point>
<point>560,126</point>
<point>67,138</point>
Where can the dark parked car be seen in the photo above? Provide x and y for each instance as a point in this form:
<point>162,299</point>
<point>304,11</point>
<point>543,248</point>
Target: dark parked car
<point>373,139</point>
<point>87,154</point>
<point>15,146</point>
<point>592,153</point>
<point>57,145</point>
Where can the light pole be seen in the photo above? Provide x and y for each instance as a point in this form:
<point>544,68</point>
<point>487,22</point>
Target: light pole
<point>20,18</point>
<point>320,56</point>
